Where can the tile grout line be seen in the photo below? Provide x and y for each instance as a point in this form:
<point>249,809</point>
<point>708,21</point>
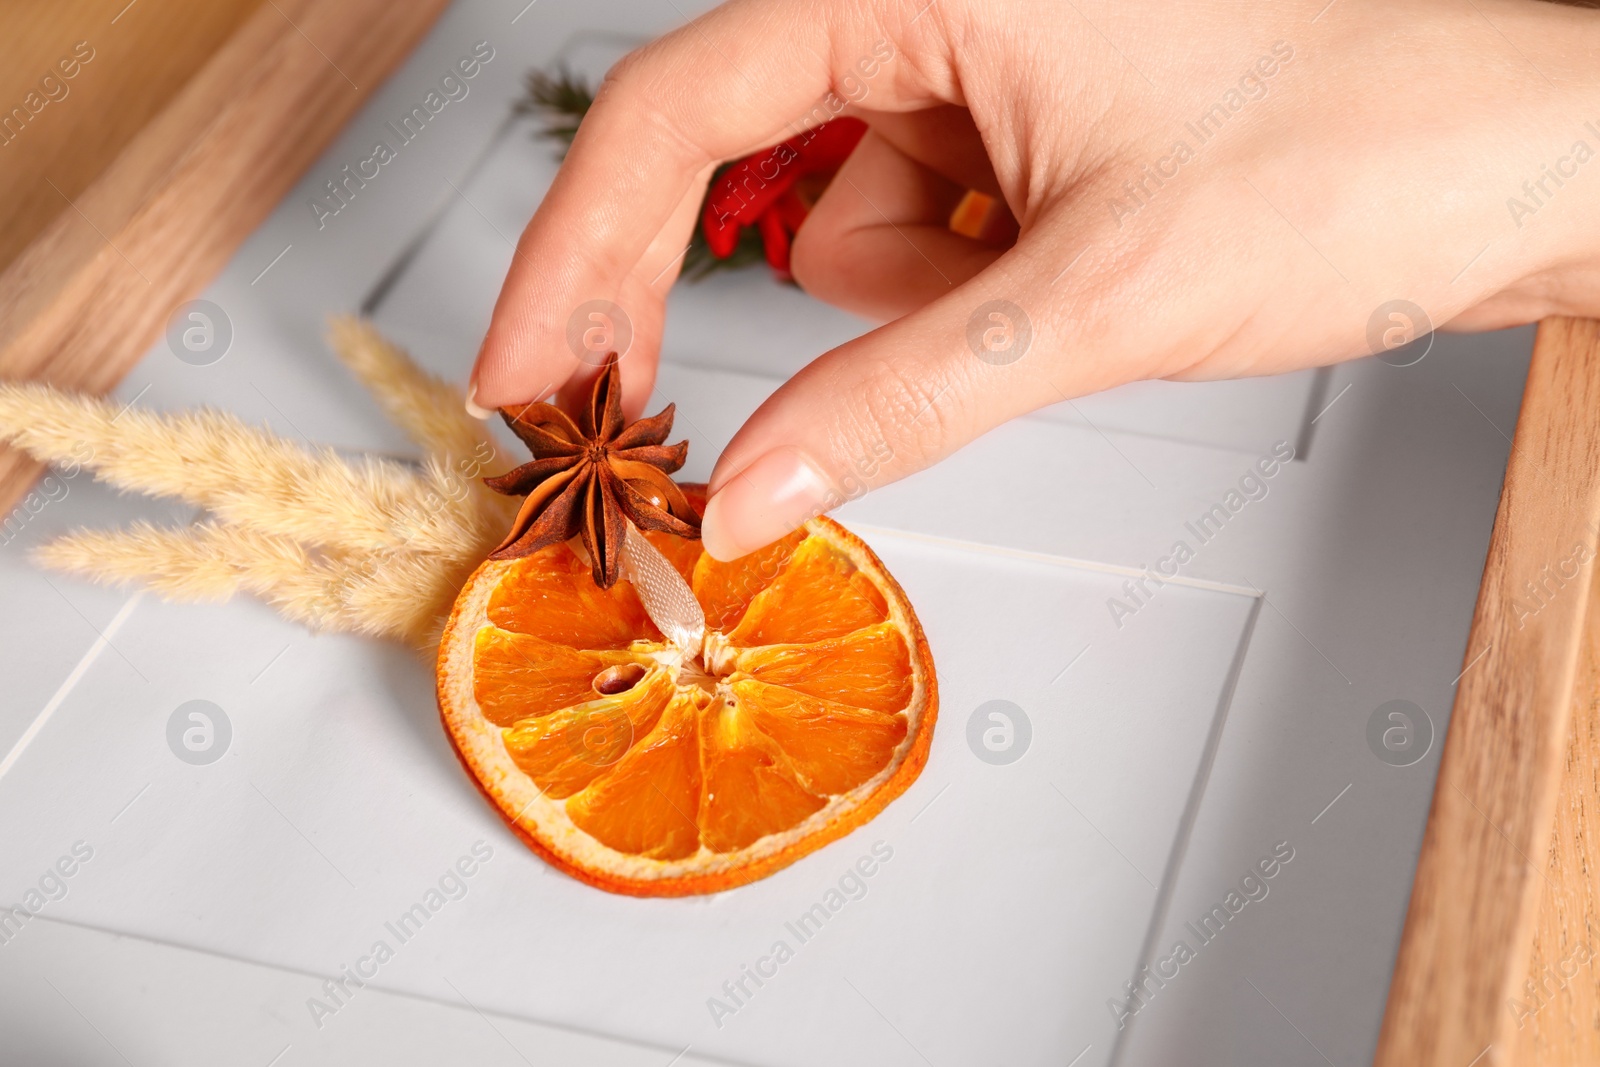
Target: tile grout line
<point>1030,555</point>
<point>59,697</point>
<point>397,993</point>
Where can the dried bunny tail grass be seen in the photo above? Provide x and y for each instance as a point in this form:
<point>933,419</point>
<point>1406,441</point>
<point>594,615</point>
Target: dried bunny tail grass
<point>368,546</point>
<point>404,595</point>
<point>431,411</point>
<point>244,475</point>
<point>198,564</point>
<point>410,594</point>
<point>474,517</point>
<point>400,595</point>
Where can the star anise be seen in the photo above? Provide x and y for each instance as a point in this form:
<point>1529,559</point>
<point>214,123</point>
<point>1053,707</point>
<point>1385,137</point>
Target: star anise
<point>593,475</point>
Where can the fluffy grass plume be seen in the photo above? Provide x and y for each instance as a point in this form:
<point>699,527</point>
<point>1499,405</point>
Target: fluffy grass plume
<point>367,545</point>
<point>242,474</point>
<point>430,410</point>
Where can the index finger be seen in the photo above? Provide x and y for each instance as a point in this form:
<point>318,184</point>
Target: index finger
<point>745,75</point>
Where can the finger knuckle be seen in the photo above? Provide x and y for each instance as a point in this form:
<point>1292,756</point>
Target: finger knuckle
<point>806,257</point>
<point>814,256</point>
<point>633,92</point>
<point>626,76</point>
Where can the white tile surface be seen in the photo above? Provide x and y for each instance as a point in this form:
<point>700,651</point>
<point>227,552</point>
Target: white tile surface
<point>339,803</point>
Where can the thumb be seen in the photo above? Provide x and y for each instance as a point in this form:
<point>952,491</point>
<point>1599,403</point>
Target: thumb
<point>897,400</point>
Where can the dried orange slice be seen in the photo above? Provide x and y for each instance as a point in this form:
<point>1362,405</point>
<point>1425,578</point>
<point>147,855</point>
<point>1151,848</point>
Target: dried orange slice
<point>643,770</point>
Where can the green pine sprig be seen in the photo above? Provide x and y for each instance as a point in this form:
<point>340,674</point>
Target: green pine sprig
<point>559,99</point>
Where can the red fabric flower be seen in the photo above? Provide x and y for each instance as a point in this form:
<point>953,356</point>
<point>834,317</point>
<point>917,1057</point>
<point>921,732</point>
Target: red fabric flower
<point>761,190</point>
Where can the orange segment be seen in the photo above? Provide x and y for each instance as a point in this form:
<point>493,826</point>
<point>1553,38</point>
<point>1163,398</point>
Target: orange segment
<point>750,789</point>
<point>551,595</point>
<point>519,677</point>
<point>870,668</point>
<point>648,769</point>
<point>820,593</point>
<point>680,551</point>
<point>566,750</point>
<point>726,589</point>
<point>646,805</point>
<point>831,747</point>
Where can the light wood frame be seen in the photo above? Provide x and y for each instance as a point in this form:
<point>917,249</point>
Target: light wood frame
<point>154,218</point>
<point>1506,881</point>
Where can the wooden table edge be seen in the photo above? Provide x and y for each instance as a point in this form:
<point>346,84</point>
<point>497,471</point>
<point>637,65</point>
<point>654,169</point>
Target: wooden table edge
<point>1485,856</point>
<point>92,292</point>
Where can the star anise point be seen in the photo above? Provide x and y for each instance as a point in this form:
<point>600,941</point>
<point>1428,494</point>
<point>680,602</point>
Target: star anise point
<point>591,475</point>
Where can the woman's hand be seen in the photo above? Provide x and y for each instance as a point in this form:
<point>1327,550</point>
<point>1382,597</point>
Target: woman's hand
<point>1199,190</point>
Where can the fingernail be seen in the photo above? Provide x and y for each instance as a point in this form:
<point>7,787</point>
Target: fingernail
<point>473,407</point>
<point>761,503</point>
